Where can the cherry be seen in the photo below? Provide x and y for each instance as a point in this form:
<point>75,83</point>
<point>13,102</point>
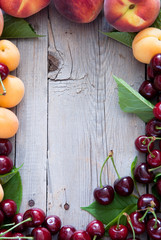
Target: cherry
<point>95,228</point>
<point>139,227</point>
<point>155,63</point>
<point>6,164</point>
<point>157,82</point>
<point>157,110</point>
<point>142,142</point>
<point>153,127</point>
<point>1,217</point>
<point>9,234</point>
<point>4,71</point>
<point>154,233</point>
<point>52,223</point>
<point>5,147</point>
<point>124,186</point>
<point>8,207</point>
<point>104,195</point>
<point>150,72</point>
<point>142,174</point>
<point>41,233</point>
<point>37,215</point>
<point>80,235</point>
<point>17,219</point>
<point>66,232</point>
<point>118,232</point>
<point>158,186</point>
<point>148,200</point>
<point>147,90</point>
<point>18,235</point>
<point>154,159</point>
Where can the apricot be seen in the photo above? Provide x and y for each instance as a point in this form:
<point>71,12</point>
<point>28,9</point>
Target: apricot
<point>1,22</point>
<point>9,54</point>
<point>14,92</point>
<point>8,123</point>
<point>1,193</point>
<point>146,44</point>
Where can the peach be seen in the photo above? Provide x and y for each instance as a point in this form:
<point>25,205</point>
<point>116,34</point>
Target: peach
<point>82,11</point>
<point>8,123</point>
<point>9,54</point>
<point>23,8</point>
<point>146,44</point>
<point>131,15</point>
<point>14,92</point>
<point>1,22</point>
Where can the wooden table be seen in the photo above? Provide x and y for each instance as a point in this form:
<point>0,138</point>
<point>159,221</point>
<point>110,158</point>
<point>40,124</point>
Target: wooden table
<point>70,118</point>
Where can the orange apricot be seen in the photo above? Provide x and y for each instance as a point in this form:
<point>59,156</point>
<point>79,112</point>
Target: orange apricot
<point>1,193</point>
<point>14,92</point>
<point>8,123</point>
<point>9,54</point>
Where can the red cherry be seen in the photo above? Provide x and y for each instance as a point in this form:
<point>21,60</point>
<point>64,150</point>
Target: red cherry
<point>155,63</point>
<point>41,233</point>
<point>150,72</point>
<point>154,233</point>
<point>17,219</point>
<point>9,208</point>
<point>154,159</point>
<point>53,224</point>
<point>37,215</point>
<point>139,227</point>
<point>142,142</point>
<point>66,232</point>
<point>95,228</point>
<point>157,111</point>
<point>118,233</point>
<point>6,164</point>
<point>5,147</point>
<point>80,235</point>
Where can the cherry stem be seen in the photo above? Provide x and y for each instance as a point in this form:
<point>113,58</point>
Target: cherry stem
<point>110,154</point>
<point>153,169</point>
<point>95,237</point>
<point>152,140</point>
<point>154,214</point>
<point>115,167</point>
<point>4,90</point>
<point>7,225</point>
<point>10,229</point>
<point>129,221</point>
<point>142,218</point>
<point>18,237</point>
<point>158,128</point>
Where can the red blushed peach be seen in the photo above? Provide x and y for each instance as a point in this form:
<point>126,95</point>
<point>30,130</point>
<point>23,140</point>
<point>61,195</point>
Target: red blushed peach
<point>23,8</point>
<point>1,22</point>
<point>82,11</point>
<point>131,15</point>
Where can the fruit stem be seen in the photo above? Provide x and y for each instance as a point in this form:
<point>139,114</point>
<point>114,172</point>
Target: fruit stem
<point>158,128</point>
<point>4,90</point>
<point>154,214</point>
<point>7,225</point>
<point>152,140</point>
<point>115,167</point>
<point>18,237</point>
<point>110,154</point>
<point>129,221</point>
<point>10,229</point>
<point>142,218</point>
<point>95,237</point>
<point>153,169</point>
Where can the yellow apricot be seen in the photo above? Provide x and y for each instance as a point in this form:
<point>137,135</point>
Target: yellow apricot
<point>8,123</point>
<point>146,44</point>
<point>9,54</point>
<point>14,92</point>
<point>1,193</point>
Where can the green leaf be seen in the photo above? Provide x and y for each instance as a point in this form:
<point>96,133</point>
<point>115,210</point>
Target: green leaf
<point>133,165</point>
<point>157,23</point>
<point>13,190</point>
<point>122,37</point>
<point>6,177</point>
<point>157,176</point>
<point>17,28</point>
<point>132,102</point>
<point>108,214</point>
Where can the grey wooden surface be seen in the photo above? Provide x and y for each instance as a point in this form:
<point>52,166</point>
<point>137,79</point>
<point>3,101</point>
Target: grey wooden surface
<point>70,118</point>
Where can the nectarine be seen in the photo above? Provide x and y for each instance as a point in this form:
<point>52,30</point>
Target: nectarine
<point>14,92</point>
<point>1,22</point>
<point>82,11</point>
<point>131,15</point>
<point>23,8</point>
<point>146,44</point>
<point>9,54</point>
<point>8,123</point>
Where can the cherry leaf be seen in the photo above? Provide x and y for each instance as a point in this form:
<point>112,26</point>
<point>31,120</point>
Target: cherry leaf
<point>6,177</point>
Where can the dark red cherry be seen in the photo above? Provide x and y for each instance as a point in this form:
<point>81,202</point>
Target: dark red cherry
<point>154,159</point>
<point>139,227</point>
<point>157,82</point>
<point>154,233</point>
<point>9,234</point>
<point>142,174</point>
<point>6,164</point>
<point>116,233</point>
<point>66,232</point>
<point>104,195</point>
<point>18,235</point>
<point>8,207</point>
<point>124,186</point>
<point>17,219</point>
<point>5,147</point>
<point>41,233</point>
<point>155,63</point>
<point>147,90</point>
<point>95,228</point>
<point>52,223</point>
<point>37,215</point>
<point>157,110</point>
<point>1,217</point>
<point>148,200</point>
<point>158,186</point>
<point>153,128</point>
<point>142,142</point>
<point>80,235</point>
<point>151,74</point>
<point>4,71</point>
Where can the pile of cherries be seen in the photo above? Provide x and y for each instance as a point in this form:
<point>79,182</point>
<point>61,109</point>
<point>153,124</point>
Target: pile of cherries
<point>6,163</point>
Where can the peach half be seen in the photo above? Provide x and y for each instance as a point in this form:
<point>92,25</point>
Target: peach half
<point>131,15</point>
<point>23,8</point>
<point>146,44</point>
